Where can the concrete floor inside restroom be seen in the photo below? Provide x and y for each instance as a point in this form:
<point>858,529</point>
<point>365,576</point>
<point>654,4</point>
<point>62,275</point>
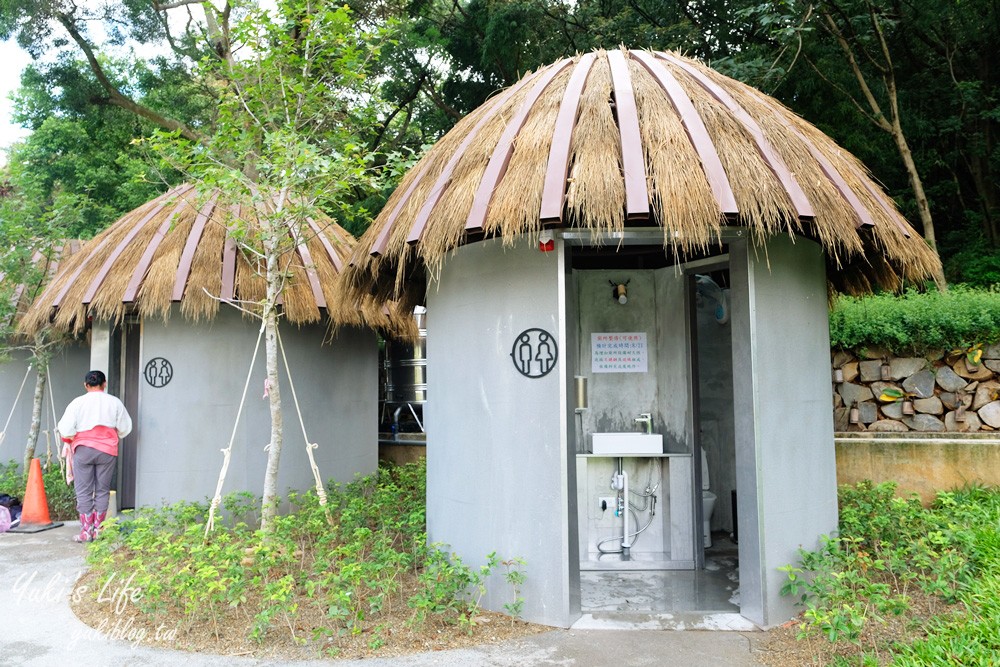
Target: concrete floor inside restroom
<point>667,599</point>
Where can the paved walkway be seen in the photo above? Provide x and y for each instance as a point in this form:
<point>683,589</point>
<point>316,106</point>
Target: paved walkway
<point>38,629</point>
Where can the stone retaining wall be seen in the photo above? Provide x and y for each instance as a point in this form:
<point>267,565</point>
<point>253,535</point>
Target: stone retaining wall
<point>919,463</point>
<point>946,392</point>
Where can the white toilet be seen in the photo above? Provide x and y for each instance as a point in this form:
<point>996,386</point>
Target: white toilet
<point>707,500</point>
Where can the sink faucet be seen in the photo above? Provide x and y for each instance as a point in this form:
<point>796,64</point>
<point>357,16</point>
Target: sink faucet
<point>647,419</point>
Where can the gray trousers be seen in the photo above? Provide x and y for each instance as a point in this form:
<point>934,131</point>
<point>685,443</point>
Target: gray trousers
<point>92,473</point>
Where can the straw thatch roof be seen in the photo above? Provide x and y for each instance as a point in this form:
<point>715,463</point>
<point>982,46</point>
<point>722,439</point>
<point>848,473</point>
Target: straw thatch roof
<point>46,266</point>
<point>611,140</point>
<point>180,249</point>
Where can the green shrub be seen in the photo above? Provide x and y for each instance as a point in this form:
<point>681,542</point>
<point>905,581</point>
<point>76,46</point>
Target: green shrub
<point>916,322</point>
<point>365,553</point>
<point>59,494</point>
<point>887,549</point>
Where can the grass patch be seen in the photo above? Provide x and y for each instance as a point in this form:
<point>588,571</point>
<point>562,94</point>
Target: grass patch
<point>902,584</point>
<point>357,580</point>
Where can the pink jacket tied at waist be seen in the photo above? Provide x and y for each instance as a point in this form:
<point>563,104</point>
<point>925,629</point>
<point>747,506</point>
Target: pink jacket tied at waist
<point>97,420</point>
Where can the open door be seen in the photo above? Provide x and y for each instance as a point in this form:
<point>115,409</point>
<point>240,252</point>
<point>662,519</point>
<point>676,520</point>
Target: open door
<point>123,382</point>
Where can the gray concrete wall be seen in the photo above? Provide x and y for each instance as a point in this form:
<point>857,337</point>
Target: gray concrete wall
<point>66,372</point>
<point>616,399</point>
<point>786,466</point>
<point>715,376</point>
<point>497,453</point>
<point>184,425</point>
<point>674,367</point>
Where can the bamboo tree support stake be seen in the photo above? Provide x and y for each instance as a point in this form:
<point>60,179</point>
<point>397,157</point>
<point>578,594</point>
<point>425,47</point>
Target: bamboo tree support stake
<point>228,451</point>
<point>53,433</point>
<point>310,446</point>
<point>17,399</point>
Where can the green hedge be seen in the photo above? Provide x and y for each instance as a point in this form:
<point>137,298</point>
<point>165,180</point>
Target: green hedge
<point>916,322</point>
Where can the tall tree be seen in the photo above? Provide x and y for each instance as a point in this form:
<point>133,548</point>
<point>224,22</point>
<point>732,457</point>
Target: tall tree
<point>26,264</point>
<point>289,91</point>
<point>285,142</point>
<point>918,73</point>
<point>859,29</point>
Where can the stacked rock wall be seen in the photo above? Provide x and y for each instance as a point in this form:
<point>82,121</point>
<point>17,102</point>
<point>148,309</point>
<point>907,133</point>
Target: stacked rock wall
<point>945,391</point>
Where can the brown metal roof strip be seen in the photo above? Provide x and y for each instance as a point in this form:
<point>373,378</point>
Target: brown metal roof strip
<point>633,158</point>
<point>53,266</point>
<point>102,273</point>
<point>444,178</point>
<point>194,238</point>
<point>36,258</point>
<point>71,280</point>
<point>557,168</point>
<point>309,266</point>
<point>500,159</point>
<point>228,291</point>
<point>139,274</point>
<point>880,198</point>
<point>718,181</point>
<point>383,237</point>
<point>330,250</point>
<point>864,217</point>
<point>775,163</point>
<point>341,235</point>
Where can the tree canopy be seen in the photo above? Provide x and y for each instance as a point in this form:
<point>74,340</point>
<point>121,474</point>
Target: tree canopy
<point>926,66</point>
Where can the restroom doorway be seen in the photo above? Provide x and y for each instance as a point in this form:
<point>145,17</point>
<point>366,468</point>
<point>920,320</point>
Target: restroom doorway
<point>123,382</point>
<point>680,584</point>
<point>714,425</point>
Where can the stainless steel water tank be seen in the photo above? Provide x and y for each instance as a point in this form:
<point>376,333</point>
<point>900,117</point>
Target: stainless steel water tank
<point>406,367</point>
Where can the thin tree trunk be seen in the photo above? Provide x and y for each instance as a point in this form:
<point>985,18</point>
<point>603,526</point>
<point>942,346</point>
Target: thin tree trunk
<point>892,124</point>
<point>269,504</point>
<point>41,366</point>
<point>923,206</point>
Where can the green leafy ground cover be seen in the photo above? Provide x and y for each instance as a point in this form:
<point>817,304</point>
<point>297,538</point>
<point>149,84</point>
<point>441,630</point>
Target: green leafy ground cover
<point>902,584</point>
<point>358,580</point>
<point>916,322</point>
<point>59,494</point>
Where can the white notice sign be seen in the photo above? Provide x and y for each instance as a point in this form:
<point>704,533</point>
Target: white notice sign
<point>618,353</point>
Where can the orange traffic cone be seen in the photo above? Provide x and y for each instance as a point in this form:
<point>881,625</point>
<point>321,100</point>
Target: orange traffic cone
<point>35,510</point>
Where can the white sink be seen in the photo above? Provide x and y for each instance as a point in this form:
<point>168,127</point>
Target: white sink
<point>627,444</point>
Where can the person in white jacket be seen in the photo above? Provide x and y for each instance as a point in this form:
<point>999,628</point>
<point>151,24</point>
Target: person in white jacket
<point>92,425</point>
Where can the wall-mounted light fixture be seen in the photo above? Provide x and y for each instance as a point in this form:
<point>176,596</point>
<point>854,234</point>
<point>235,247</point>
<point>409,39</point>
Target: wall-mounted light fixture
<point>619,291</point>
<point>885,370</point>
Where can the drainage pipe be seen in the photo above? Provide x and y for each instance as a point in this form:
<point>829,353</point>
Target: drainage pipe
<point>626,538</point>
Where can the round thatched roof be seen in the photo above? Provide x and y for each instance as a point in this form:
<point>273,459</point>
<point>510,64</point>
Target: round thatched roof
<point>180,249</point>
<point>616,139</point>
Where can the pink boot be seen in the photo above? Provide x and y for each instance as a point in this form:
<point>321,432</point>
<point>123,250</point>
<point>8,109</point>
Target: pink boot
<point>95,524</point>
<point>86,526</point>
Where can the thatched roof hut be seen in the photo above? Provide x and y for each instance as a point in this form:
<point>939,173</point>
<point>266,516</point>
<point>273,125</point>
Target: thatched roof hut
<point>617,139</point>
<point>180,249</point>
